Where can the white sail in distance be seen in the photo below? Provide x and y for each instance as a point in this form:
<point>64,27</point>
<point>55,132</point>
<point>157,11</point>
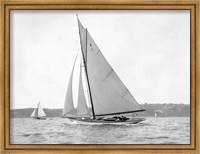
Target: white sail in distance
<point>40,111</point>
<point>69,110</point>
<point>110,96</point>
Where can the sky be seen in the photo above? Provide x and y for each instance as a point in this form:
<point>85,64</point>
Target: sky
<point>148,49</point>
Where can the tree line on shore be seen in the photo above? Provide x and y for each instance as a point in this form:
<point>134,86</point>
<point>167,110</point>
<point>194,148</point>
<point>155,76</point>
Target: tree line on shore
<point>152,110</point>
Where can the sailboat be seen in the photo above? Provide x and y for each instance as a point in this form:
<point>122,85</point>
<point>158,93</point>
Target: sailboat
<point>38,113</point>
<point>107,94</point>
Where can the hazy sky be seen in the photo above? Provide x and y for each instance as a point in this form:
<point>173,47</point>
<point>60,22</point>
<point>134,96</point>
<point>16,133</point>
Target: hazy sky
<point>149,50</point>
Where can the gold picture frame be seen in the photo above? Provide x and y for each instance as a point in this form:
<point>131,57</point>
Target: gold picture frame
<point>7,5</point>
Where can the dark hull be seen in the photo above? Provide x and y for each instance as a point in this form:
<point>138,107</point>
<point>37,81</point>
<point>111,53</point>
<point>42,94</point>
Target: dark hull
<point>41,118</point>
<point>96,122</point>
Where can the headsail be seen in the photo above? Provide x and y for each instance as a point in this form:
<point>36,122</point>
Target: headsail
<point>109,94</point>
<point>33,113</point>
<point>69,110</point>
<point>82,108</point>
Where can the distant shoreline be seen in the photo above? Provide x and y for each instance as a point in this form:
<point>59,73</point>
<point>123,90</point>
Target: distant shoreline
<point>152,110</point>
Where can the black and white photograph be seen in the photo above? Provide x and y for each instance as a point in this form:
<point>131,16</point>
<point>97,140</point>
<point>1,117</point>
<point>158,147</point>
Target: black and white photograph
<point>100,77</point>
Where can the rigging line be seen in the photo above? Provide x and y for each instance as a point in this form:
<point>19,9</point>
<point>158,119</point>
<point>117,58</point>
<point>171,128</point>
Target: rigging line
<point>87,91</point>
<point>86,68</point>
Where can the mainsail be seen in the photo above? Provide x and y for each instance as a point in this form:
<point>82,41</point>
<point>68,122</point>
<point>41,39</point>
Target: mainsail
<point>109,95</point>
<point>69,110</point>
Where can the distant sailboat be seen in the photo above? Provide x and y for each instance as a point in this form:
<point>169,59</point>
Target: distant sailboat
<point>38,113</point>
<point>107,93</point>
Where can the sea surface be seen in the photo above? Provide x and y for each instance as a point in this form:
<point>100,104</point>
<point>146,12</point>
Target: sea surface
<point>173,130</point>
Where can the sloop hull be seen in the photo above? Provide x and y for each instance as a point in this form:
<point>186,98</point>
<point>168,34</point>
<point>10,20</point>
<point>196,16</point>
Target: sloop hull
<point>98,122</point>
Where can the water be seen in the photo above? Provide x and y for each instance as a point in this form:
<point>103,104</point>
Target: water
<point>60,131</point>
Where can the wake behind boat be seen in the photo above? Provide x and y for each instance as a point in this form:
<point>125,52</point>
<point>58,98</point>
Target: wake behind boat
<point>107,94</point>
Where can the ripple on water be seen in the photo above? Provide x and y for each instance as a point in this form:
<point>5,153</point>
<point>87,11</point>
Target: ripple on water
<point>61,131</point>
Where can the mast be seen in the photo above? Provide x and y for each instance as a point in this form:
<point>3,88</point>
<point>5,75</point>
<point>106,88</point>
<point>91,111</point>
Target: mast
<point>84,62</point>
<point>88,81</point>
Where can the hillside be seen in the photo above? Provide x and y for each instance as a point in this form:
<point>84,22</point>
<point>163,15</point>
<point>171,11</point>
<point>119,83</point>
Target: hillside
<point>166,110</point>
<point>24,113</point>
<point>159,110</point>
